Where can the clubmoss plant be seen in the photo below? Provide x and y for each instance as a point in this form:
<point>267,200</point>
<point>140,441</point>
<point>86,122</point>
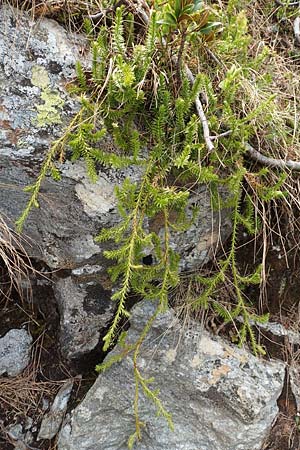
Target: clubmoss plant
<point>134,92</point>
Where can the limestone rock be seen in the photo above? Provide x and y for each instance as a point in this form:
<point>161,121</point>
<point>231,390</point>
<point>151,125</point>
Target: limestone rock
<point>14,352</point>
<point>221,397</point>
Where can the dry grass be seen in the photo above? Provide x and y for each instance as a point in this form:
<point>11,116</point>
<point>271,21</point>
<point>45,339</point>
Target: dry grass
<point>15,265</point>
<point>23,394</point>
<point>70,13</point>
<point>273,26</point>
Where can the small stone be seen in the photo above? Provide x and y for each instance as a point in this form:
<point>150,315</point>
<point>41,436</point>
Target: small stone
<point>28,423</point>
<point>14,352</point>
<point>294,376</point>
<point>51,421</point>
<point>15,431</point>
<point>45,404</point>
<point>277,329</point>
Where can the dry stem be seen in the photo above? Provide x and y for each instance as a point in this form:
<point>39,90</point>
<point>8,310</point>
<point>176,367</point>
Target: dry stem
<point>272,162</point>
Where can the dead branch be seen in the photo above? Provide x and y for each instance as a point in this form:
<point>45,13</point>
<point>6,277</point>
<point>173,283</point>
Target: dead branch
<point>138,9</point>
<point>272,162</point>
<point>218,136</point>
<point>297,29</point>
<point>290,4</point>
<point>201,114</point>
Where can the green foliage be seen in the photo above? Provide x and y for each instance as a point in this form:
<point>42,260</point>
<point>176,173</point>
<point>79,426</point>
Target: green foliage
<point>191,15</point>
<point>230,265</point>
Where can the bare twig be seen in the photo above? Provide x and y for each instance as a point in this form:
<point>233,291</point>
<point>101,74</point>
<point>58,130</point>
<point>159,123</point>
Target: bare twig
<point>201,114</point>
<point>272,162</point>
<point>137,8</point>
<point>297,29</point>
<point>218,136</point>
<point>289,4</point>
<point>101,14</point>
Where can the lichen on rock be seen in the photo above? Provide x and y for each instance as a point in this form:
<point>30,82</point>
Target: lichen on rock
<point>49,111</point>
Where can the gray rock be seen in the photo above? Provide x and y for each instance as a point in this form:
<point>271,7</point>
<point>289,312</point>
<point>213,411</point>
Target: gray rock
<point>36,61</point>
<point>221,397</point>
<point>51,422</point>
<point>14,352</point>
<point>294,378</point>
<point>197,245</point>
<point>15,431</point>
<point>277,329</point>
<point>84,307</point>
<point>20,445</point>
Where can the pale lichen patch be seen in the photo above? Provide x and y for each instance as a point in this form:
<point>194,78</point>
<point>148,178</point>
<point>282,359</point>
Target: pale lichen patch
<point>40,77</point>
<point>170,355</point>
<point>49,111</point>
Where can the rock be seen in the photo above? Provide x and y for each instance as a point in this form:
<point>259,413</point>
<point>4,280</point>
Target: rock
<point>20,445</point>
<point>28,423</point>
<point>38,58</point>
<point>197,245</point>
<point>84,308</point>
<point>51,422</point>
<point>15,431</point>
<point>294,378</point>
<point>220,397</point>
<point>14,352</point>
<point>277,329</point>
<point>37,62</point>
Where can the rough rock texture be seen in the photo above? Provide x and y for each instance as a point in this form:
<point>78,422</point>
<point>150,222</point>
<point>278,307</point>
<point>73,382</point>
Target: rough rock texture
<point>277,329</point>
<point>52,420</point>
<point>221,397</point>
<point>82,306</point>
<point>294,377</point>
<point>14,352</point>
<point>36,62</point>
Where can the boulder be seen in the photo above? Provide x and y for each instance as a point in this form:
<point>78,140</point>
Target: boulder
<point>220,397</point>
<point>37,62</point>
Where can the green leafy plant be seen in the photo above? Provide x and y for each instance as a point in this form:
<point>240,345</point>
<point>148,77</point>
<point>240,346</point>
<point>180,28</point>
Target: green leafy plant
<point>131,95</point>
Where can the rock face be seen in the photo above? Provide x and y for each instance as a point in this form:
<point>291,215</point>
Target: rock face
<point>221,397</point>
<point>82,306</point>
<point>14,352</point>
<point>36,62</point>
